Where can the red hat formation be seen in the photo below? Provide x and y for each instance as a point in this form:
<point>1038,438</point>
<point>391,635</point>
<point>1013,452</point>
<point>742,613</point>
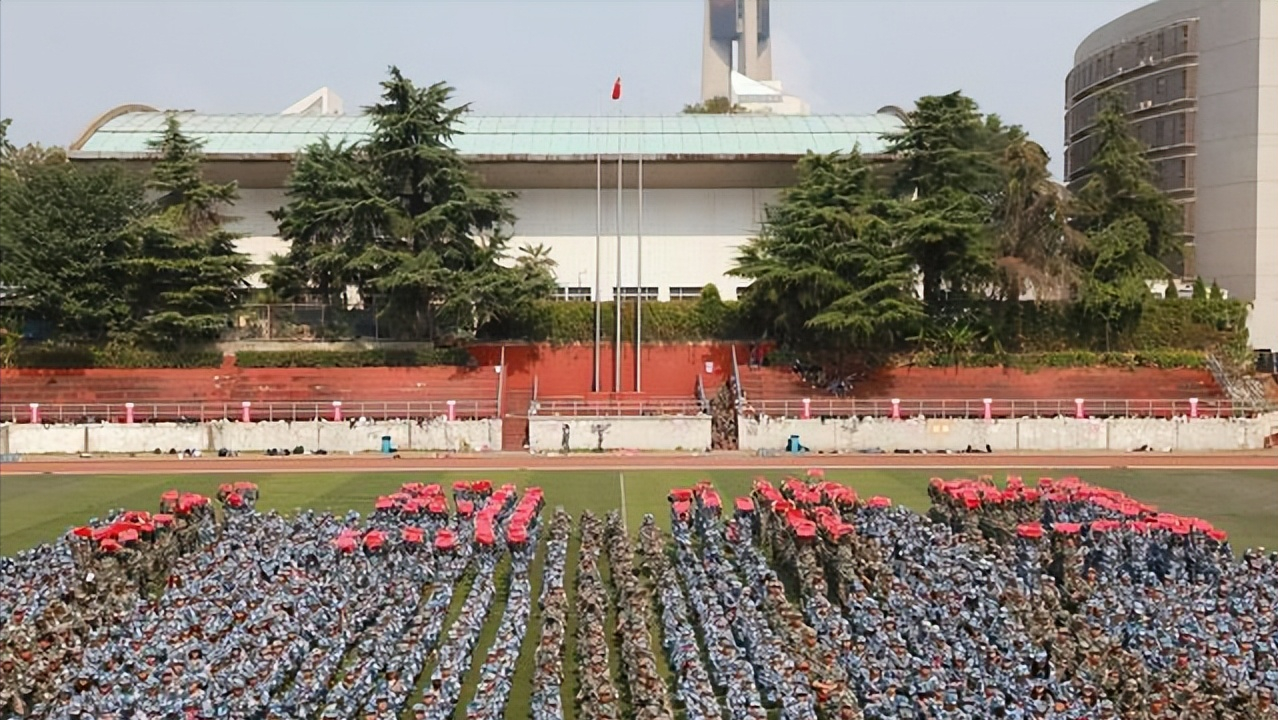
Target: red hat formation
<point>1113,509</point>
<point>421,504</point>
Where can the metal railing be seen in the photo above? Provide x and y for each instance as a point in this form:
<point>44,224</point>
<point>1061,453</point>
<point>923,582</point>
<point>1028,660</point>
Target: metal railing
<point>999,408</point>
<point>736,379</point>
<point>304,322</point>
<point>144,412</point>
<point>618,408</point>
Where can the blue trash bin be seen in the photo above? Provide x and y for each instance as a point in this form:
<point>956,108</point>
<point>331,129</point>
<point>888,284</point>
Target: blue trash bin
<point>386,444</point>
<point>793,445</point>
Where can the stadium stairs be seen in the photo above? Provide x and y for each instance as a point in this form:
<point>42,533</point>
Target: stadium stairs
<point>233,385</point>
<point>765,384</point>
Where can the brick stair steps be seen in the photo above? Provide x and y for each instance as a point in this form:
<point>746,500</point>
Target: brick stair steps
<point>514,423</point>
<point>264,385</point>
<point>977,383</point>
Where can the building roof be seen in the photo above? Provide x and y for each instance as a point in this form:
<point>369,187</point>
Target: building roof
<point>124,134</point>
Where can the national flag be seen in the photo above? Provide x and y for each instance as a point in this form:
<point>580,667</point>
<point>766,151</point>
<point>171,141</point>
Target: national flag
<point>616,89</point>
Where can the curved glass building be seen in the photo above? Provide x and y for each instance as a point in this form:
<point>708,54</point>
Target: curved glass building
<point>1200,80</point>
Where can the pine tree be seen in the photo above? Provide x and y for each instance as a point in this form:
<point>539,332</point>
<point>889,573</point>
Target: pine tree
<point>186,276</point>
<point>1120,184</point>
<point>949,172</point>
<point>826,269</point>
<point>402,218</point>
<point>1132,228</point>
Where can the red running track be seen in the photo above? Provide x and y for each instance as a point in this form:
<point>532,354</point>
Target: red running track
<point>492,462</point>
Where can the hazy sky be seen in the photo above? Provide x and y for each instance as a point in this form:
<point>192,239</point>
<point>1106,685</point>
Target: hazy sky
<point>62,63</point>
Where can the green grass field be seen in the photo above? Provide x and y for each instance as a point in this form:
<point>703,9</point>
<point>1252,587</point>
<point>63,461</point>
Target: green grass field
<point>37,508</point>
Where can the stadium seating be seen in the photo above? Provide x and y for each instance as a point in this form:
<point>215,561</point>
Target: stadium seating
<point>977,383</point>
<point>1155,390</point>
<point>261,386</point>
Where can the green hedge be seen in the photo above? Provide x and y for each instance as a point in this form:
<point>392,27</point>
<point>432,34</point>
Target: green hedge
<point>418,357</point>
<point>83,357</point>
<point>1166,359</point>
<point>61,357</point>
<point>564,323</point>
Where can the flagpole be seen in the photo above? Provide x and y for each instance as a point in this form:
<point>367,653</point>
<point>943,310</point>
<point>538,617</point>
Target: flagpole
<point>639,273</point>
<point>596,387</point>
<point>616,296</point>
<point>617,303</point>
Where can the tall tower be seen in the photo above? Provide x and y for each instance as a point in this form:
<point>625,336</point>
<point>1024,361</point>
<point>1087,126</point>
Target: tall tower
<point>746,23</point>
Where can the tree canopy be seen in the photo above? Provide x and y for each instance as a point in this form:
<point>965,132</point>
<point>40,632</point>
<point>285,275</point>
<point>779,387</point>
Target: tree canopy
<point>88,257</point>
<point>946,242</point>
<point>973,219</point>
<point>827,269</point>
<point>1120,184</point>
<point>714,106</point>
<point>402,221</point>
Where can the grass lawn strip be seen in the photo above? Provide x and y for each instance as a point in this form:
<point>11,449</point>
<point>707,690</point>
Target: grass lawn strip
<point>519,705</point>
<point>502,577</point>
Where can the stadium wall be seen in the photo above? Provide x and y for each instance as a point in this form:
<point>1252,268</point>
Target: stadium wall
<point>1029,434</point>
<point>333,437</point>
<point>549,434</point>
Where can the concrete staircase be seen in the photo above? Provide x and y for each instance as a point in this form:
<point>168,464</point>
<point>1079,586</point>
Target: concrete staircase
<point>514,423</point>
<point>772,383</point>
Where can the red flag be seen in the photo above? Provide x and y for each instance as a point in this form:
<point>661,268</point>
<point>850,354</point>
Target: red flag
<point>616,89</point>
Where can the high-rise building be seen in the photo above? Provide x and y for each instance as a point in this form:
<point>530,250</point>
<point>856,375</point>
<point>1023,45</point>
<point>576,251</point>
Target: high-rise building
<point>1200,80</point>
<point>745,25</point>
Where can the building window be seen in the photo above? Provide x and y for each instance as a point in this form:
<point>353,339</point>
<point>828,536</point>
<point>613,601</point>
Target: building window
<point>629,293</point>
<point>572,293</point>
<point>685,293</point>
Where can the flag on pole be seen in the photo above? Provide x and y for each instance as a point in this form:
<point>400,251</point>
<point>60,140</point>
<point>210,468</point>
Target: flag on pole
<point>616,89</point>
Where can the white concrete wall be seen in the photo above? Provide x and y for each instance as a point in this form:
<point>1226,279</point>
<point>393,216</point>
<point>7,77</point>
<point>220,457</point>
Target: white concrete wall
<point>690,236</point>
<point>1264,316</point>
<point>546,434</point>
<point>437,434</point>
<point>1031,434</point>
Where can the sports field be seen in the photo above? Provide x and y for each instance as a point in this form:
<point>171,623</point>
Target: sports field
<point>36,508</point>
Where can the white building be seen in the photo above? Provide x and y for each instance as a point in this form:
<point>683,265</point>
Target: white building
<point>1201,81</point>
<point>706,178</point>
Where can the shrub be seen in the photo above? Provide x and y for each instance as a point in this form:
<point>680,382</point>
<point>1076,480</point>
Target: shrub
<point>1165,359</point>
<point>415,357</point>
<point>562,323</point>
<point>69,357</point>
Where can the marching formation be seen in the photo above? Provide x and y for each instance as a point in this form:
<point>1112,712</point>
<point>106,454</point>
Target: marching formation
<point>1058,601</point>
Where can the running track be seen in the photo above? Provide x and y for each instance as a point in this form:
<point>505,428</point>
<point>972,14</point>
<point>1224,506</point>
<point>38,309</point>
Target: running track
<point>494,462</point>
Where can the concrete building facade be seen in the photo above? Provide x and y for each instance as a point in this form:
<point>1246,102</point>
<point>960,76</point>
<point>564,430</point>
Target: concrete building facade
<point>1200,78</point>
<point>741,24</point>
<point>707,181</point>
<point>746,27</point>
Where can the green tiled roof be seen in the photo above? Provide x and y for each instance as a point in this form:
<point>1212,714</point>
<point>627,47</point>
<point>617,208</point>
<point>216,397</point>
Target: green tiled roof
<point>708,135</point>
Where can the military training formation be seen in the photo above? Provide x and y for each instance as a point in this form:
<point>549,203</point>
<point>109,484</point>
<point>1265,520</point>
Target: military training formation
<point>1055,600</point>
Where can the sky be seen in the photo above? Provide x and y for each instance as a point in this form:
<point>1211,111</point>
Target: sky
<point>62,63</point>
